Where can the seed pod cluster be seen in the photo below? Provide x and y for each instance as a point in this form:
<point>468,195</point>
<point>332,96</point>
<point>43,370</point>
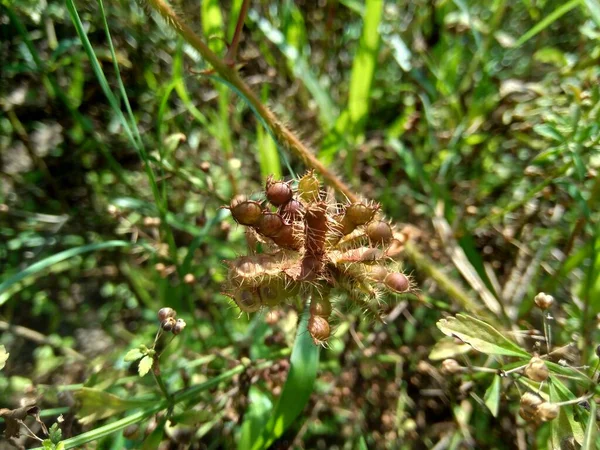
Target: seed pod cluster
<point>314,246</point>
<point>168,323</point>
<point>534,410</point>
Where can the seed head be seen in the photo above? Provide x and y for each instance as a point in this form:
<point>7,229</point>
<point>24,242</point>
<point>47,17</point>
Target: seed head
<point>278,192</point>
<point>164,313</point>
<point>245,212</point>
<point>543,301</point>
<point>537,369</point>
<point>397,282</point>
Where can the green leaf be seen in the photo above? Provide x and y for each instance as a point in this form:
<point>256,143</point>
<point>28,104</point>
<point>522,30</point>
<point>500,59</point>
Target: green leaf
<point>145,365</point>
<point>51,260</point>
<point>549,131</point>
<point>257,415</point>
<point>448,348</point>
<point>593,7</point>
<point>492,396</point>
<point>565,424</point>
<point>60,446</point>
<point>3,356</point>
<point>97,404</point>
<point>304,362</point>
<point>481,336</point>
<point>589,439</point>
<point>133,355</point>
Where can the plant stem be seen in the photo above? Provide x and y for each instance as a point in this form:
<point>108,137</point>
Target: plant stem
<point>232,51</point>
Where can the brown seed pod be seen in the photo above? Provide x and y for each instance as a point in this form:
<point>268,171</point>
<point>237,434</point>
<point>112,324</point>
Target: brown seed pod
<point>269,224</point>
<point>278,192</point>
<point>308,187</point>
<point>245,271</point>
<point>318,327</point>
<point>451,367</point>
<point>247,300</point>
<point>397,282</point>
<point>164,313</point>
<point>287,238</point>
<point>362,254</point>
<point>530,403</point>
<point>292,211</point>
<point>179,326</point>
<point>310,268</point>
<point>245,212</point>
<point>379,232</point>
<point>548,411</point>
<point>537,370</point>
<point>543,301</point>
<point>377,273</point>
<point>360,214</point>
<point>168,324</point>
<point>320,307</point>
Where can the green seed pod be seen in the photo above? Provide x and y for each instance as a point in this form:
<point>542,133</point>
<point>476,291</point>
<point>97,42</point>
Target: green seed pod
<point>272,293</point>
<point>308,187</point>
<point>379,232</point>
<point>278,192</point>
<point>269,224</point>
<point>397,282</point>
<point>245,212</point>
<point>247,300</point>
<point>360,214</point>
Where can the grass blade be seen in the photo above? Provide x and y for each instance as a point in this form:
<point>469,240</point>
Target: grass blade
<point>51,260</point>
<point>297,389</point>
<point>547,21</point>
<point>589,438</point>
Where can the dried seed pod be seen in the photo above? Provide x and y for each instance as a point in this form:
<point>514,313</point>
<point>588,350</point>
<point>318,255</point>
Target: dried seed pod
<point>247,300</point>
<point>320,307</point>
<point>360,214</point>
<point>310,267</point>
<point>308,187</point>
<point>397,282</point>
<point>451,366</point>
<point>362,254</point>
<point>245,271</point>
<point>537,369</point>
<point>278,192</point>
<point>548,411</point>
<point>530,402</point>
<point>318,327</point>
<point>164,313</point>
<point>168,324</point>
<point>292,211</point>
<point>244,211</point>
<point>543,301</point>
<point>269,224</point>
<point>380,232</point>
<point>179,326</point>
<point>287,238</point>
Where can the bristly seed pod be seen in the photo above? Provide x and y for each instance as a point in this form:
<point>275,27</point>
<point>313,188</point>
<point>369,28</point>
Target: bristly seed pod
<point>245,212</point>
<point>292,211</point>
<point>377,273</point>
<point>318,327</point>
<point>269,224</point>
<point>310,267</point>
<point>287,238</point>
<point>278,192</point>
<point>308,188</point>
<point>247,300</point>
<point>360,214</point>
<point>315,221</point>
<point>379,232</point>
<point>397,282</point>
<point>320,307</point>
<point>164,313</point>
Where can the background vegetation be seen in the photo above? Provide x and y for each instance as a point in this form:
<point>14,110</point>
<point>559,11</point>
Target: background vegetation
<point>473,124</point>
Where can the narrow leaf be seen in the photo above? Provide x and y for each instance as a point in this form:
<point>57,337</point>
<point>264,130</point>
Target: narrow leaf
<point>492,396</point>
<point>480,336</point>
<point>547,21</point>
<point>304,362</point>
<point>589,439</point>
<point>97,404</point>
